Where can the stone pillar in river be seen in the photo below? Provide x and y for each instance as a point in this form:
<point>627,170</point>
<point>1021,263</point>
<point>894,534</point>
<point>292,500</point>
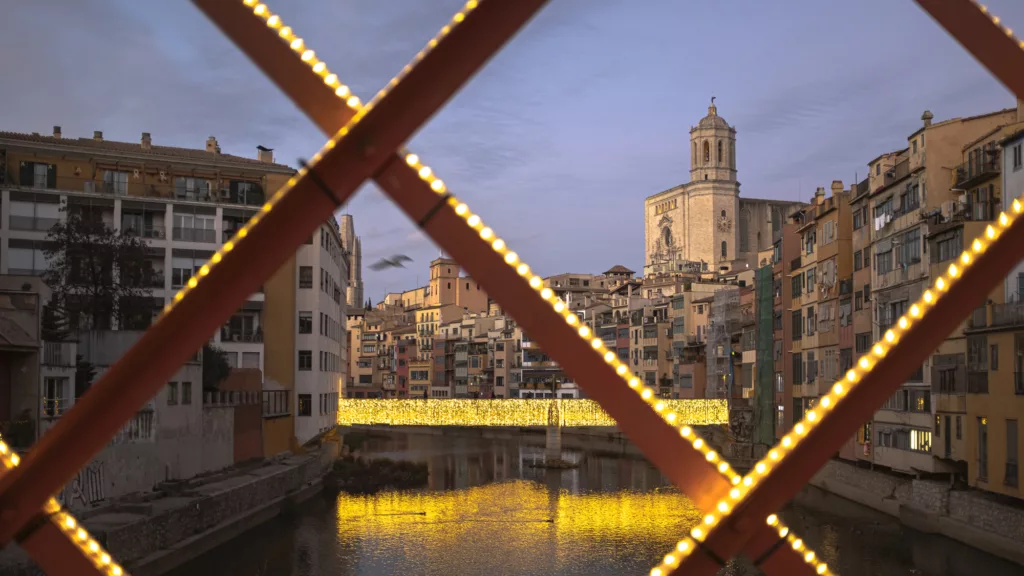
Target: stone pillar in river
<point>553,443</point>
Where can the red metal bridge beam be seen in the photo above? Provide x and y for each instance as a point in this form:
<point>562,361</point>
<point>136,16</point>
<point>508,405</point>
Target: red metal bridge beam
<point>674,456</point>
<point>284,225</point>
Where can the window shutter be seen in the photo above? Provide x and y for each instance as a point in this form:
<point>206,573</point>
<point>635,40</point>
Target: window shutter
<point>51,176</point>
<point>25,174</point>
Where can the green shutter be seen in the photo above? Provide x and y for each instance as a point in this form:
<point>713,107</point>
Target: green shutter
<point>51,175</point>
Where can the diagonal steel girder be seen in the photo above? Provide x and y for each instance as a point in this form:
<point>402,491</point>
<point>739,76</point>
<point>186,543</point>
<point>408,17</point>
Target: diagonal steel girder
<point>992,257</point>
<point>701,481</point>
<point>246,262</point>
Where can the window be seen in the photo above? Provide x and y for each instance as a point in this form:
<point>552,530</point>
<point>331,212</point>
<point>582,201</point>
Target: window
<point>305,404</point>
<point>798,320</point>
<point>883,262</point>
<point>858,300</point>
<point>959,428</point>
<point>306,323</point>
<point>305,276</point>
<point>867,258</point>
<point>186,392</point>
<point>921,440</point>
<point>724,245</point>
<point>172,393</point>
<point>858,220</point>
<point>909,250</point>
<point>982,448</point>
<point>863,342</point>
<point>115,182</point>
<point>858,261</point>
<point>500,346</point>
<point>182,269</point>
<point>948,246</point>
<point>305,360</point>
<point>55,399</point>
<point>707,153</point>
<point>797,285</point>
<point>810,283</point>
<point>913,146</point>
<point>867,292</point>
<point>878,169</point>
<point>1018,160</point>
<point>993,357</point>
<point>1010,475</point>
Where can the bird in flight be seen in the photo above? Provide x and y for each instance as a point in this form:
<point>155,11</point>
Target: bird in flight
<point>396,261</point>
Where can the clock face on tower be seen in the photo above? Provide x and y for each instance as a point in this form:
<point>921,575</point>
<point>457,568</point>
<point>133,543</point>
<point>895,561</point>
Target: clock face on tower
<point>724,223</point>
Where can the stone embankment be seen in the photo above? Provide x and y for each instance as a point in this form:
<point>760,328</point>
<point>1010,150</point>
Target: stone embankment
<point>969,516</point>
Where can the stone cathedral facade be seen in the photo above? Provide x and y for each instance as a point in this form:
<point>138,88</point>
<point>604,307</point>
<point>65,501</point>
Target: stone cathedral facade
<point>704,225</point>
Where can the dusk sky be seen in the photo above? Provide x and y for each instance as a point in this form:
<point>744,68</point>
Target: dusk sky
<point>557,142</point>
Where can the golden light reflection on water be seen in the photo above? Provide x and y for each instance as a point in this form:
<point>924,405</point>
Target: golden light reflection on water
<point>536,529</point>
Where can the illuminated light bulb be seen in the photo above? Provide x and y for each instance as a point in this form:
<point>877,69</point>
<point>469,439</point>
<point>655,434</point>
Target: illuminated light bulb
<point>331,79</point>
<point>685,431</point>
<point>545,293</point>
<point>826,402</point>
<point>1016,203</point>
<point>412,159</point>
<point>809,557</point>
<point>711,456</point>
<point>800,428</point>
<point>783,531</point>
<point>990,232</point>
<point>474,221</point>
<point>535,282</point>
<point>260,10</point>
<point>787,441</point>
<point>646,394</point>
<point>584,331</point>
<point>890,336</point>
<point>812,416</point>
<point>865,363</point>
<point>659,407</point>
<point>596,344</point>
<point>285,32</point>
<point>915,310</point>
<point>977,246</point>
<point>487,233</point>
<point>903,323</point>
<point>940,284</point>
<point>228,246</point>
<point>353,102</point>
<point>774,454</point>
<point>722,467</point>
<point>748,481</point>
<point>609,356</point>
<point>838,389</point>
<point>798,544</point>
<point>204,270</point>
<point>437,186</point>
<point>735,494</point>
<point>621,370</point>
<point>3,448</point>
<point>297,44</point>
<point>471,4</point>
<point>634,382</point>
<point>274,21</point>
<point>878,350</point>
<point>498,245</point>
<point>319,68</point>
<point>193,282</point>
<point>698,443</point>
<point>1004,221</point>
<point>928,296</point>
<point>671,417</point>
<point>216,258</point>
<point>105,559</point>
<point>697,534</point>
<point>953,271</point>
<point>761,468</point>
<point>69,522</point>
<point>772,520</point>
<point>656,572</point>
<point>559,306</point>
<point>459,17</point>
<point>249,3</point>
<point>723,507</point>
<point>683,546</point>
<point>822,568</point>
<point>94,546</point>
<point>522,269</point>
<point>709,519</point>
<point>965,258</point>
<point>445,30</point>
<point>511,258</point>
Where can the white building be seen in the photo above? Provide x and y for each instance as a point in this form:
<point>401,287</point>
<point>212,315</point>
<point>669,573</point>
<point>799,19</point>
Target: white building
<point>1013,188</point>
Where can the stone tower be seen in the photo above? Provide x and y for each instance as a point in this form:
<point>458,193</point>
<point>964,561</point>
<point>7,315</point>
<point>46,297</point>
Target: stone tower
<point>712,148</point>
<point>354,247</point>
<point>713,193</point>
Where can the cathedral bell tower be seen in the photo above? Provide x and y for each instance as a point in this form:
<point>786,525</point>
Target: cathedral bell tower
<point>713,148</point>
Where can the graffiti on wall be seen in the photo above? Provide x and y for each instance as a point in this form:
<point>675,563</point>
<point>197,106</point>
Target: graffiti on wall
<point>85,489</point>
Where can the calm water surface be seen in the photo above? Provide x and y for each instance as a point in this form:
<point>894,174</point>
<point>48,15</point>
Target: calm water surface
<point>487,511</point>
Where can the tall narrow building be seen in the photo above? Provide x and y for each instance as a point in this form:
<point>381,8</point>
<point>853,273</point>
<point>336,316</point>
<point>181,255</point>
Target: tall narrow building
<point>353,246</point>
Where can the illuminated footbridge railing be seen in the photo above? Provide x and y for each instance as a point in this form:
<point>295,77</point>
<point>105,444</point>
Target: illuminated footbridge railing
<point>507,412</point>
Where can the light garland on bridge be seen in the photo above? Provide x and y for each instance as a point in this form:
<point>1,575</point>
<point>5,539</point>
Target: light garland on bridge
<point>507,412</point>
<point>67,524</point>
<point>999,23</point>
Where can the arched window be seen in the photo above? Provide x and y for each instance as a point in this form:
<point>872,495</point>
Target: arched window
<point>693,146</point>
<point>666,234</point>
<point>707,152</point>
<point>725,249</point>
<point>719,152</point>
<point>723,213</point>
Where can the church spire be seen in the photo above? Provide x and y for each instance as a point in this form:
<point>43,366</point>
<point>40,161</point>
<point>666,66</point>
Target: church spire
<point>712,109</point>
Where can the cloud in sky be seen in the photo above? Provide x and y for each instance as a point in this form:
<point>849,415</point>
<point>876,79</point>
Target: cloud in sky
<point>559,139</point>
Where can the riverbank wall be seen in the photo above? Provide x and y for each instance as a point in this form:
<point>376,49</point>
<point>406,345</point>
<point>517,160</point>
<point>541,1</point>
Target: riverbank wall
<point>968,516</point>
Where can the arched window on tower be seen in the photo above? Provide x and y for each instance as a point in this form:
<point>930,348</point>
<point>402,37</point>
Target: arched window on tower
<point>723,213</point>
<point>693,162</point>
<point>732,154</point>
<point>719,152</point>
<point>725,249</point>
<point>707,152</point>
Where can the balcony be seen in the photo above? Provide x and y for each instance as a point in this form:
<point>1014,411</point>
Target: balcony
<point>153,231</point>
<point>846,287</point>
<point>230,335</point>
<point>195,234</point>
<point>58,354</point>
<point>982,166</point>
<point>978,318</point>
<point>32,223</point>
<point>1008,314</point>
<point>795,264</point>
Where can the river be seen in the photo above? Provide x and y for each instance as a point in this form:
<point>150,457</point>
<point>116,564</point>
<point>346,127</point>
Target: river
<point>487,511</point>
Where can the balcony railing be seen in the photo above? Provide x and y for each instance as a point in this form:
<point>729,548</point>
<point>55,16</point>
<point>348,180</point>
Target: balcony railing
<point>978,318</point>
<point>32,223</point>
<point>195,234</point>
<point>153,231</point>
<point>983,165</point>
<point>795,264</point>
<point>846,287</point>
<point>229,335</point>
<point>1008,314</point>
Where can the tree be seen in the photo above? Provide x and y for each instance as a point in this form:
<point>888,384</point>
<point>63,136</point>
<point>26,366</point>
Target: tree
<point>55,324</point>
<point>85,372</point>
<point>97,274</point>
<point>215,367</point>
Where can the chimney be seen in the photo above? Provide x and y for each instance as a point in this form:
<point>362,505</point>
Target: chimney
<point>1020,110</point>
<point>56,131</point>
<point>265,155</point>
<point>837,187</point>
<point>147,141</point>
<point>97,136</point>
<point>211,145</point>
<point>819,195</point>
<point>927,118</point>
